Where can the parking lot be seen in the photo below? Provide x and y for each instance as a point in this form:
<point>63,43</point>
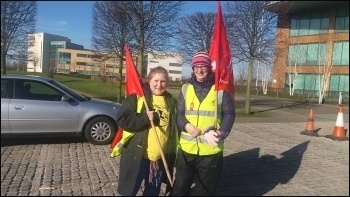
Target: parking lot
<point>262,157</point>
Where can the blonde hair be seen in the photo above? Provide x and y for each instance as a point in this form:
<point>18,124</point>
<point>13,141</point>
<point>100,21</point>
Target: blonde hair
<point>158,69</point>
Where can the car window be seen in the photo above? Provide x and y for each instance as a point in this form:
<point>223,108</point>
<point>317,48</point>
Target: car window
<point>3,88</point>
<point>36,90</point>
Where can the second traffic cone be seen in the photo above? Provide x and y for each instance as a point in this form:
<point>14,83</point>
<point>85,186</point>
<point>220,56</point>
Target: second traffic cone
<point>309,129</point>
<point>339,131</point>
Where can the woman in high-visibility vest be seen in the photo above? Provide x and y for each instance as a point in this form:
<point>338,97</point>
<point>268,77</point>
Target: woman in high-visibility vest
<point>201,143</point>
<point>140,158</point>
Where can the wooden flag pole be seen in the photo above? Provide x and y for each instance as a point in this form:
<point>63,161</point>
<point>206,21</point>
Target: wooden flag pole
<point>160,148</point>
<point>216,109</point>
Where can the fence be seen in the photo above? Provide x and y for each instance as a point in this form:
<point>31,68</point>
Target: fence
<point>311,95</point>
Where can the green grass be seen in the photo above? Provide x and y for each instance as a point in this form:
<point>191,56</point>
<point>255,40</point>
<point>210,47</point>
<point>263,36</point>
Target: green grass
<point>95,88</point>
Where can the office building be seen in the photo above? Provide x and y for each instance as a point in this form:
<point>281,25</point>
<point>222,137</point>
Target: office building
<point>312,46</point>
<point>56,54</point>
<point>171,62</point>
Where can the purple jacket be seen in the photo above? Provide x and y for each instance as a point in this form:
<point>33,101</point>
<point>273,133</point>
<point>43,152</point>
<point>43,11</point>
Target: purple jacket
<point>228,113</point>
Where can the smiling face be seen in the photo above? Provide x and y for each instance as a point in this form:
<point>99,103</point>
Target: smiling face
<point>200,71</point>
<point>158,83</point>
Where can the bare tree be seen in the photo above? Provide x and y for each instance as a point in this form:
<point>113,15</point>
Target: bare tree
<point>153,27</point>
<point>143,25</point>
<point>294,62</point>
<point>17,21</point>
<point>110,33</point>
<point>195,33</point>
<point>240,74</point>
<point>251,35</point>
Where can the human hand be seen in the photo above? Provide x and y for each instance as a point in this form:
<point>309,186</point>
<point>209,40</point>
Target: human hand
<point>150,115</point>
<point>211,137</point>
<point>153,116</point>
<point>221,135</point>
<point>192,130</point>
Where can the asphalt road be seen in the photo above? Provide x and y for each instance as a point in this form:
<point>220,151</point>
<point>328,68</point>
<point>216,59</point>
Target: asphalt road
<point>263,156</point>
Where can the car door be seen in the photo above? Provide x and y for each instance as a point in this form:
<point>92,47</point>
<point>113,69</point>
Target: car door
<point>40,109</point>
<point>5,86</point>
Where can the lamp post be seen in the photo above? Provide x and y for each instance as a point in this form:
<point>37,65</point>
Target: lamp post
<point>275,81</point>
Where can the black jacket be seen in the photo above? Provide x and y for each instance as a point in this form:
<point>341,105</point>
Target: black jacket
<point>139,124</point>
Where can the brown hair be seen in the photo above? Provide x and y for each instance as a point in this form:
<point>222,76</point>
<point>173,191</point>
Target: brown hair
<point>156,70</point>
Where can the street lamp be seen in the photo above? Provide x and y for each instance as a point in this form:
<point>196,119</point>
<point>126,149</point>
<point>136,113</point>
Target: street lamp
<point>275,81</point>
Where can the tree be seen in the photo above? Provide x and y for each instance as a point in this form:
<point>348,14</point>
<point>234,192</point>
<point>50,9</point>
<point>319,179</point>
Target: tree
<point>195,33</point>
<point>240,74</point>
<point>153,28</point>
<point>143,25</point>
<point>110,33</point>
<point>17,21</point>
<point>251,35</point>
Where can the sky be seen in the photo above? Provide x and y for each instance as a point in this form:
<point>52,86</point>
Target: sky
<point>73,19</point>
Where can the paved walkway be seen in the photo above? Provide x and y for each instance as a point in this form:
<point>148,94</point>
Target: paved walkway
<point>263,157</point>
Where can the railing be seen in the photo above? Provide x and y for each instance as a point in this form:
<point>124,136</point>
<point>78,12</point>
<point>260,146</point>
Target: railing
<point>310,95</point>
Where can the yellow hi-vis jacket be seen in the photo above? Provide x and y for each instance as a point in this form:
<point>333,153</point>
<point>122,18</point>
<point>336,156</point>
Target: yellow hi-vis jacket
<point>202,116</point>
<point>116,151</point>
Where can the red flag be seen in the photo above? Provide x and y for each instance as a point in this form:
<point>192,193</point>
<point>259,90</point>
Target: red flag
<point>132,79</point>
<point>220,55</point>
<point>132,86</point>
<point>117,138</point>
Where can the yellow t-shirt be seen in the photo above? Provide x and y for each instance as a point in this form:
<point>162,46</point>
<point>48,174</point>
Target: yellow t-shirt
<point>152,151</point>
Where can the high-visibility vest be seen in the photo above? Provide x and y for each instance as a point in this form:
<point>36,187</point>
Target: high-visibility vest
<point>116,151</point>
<point>201,115</point>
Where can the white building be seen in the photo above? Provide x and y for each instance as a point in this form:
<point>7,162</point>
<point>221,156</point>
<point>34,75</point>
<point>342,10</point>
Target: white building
<point>47,52</point>
<point>173,64</point>
<point>42,50</point>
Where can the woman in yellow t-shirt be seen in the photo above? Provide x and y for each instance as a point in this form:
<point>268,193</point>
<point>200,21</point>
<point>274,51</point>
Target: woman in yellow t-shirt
<point>140,157</point>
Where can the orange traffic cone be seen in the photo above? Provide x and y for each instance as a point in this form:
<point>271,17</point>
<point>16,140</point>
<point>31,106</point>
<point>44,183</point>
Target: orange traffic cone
<point>309,129</point>
<point>339,131</point>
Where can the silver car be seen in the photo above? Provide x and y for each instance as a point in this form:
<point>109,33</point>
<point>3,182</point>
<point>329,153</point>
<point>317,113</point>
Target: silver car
<point>41,105</point>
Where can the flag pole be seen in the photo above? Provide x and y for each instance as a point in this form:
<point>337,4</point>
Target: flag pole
<point>159,146</point>
<point>216,108</point>
<point>135,87</point>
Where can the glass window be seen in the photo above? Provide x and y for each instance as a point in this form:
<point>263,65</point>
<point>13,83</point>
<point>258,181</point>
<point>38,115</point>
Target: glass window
<point>304,25</point>
<point>81,55</point>
<point>310,82</point>
<point>64,55</point>
<point>307,54</point>
<point>339,83</point>
<point>342,20</point>
<point>309,24</point>
<point>34,90</point>
<point>315,23</point>
<point>3,88</point>
<point>305,81</point>
<point>294,24</point>
<point>298,82</point>
<point>340,53</point>
<point>324,23</point>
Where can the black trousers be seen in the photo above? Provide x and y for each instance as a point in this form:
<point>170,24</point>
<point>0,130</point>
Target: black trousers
<point>204,171</point>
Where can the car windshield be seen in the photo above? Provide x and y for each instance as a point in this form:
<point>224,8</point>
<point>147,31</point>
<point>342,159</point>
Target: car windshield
<point>71,92</point>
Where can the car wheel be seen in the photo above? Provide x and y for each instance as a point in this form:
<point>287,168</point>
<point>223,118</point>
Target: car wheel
<point>100,131</point>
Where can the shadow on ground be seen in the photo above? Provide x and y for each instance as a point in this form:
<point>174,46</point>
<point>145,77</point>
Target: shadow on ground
<point>248,174</point>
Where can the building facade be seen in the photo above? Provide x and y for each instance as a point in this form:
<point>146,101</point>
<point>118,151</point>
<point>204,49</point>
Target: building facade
<point>171,62</point>
<point>312,46</point>
<point>53,53</point>
<point>42,48</point>
<point>86,62</point>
